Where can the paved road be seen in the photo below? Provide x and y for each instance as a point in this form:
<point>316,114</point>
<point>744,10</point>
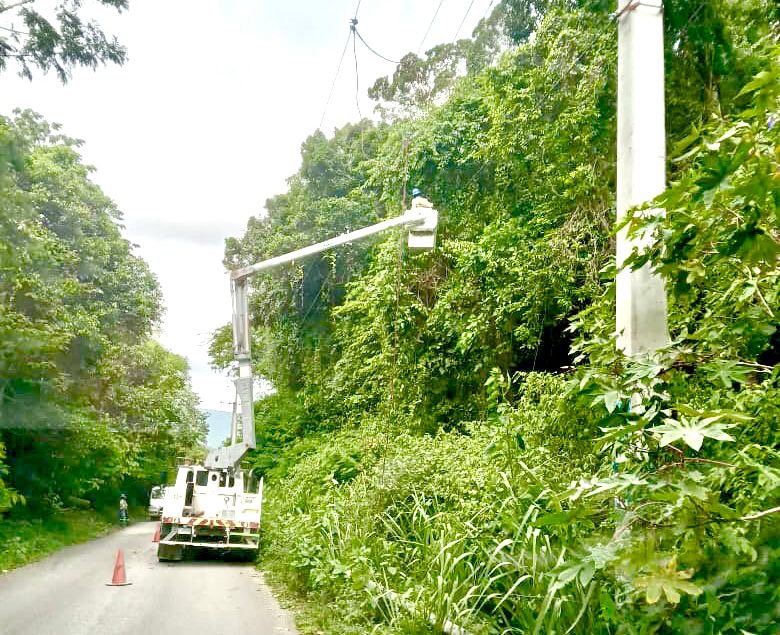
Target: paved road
<point>66,594</point>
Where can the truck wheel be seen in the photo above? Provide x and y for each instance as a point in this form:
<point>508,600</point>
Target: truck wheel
<point>250,555</point>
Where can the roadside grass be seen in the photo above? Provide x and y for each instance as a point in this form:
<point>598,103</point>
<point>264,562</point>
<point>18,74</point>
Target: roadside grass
<point>24,540</point>
<point>321,616</point>
<point>430,533</point>
<point>307,615</point>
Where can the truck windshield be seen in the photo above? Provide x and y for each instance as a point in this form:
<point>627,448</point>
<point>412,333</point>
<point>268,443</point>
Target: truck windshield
<point>157,492</point>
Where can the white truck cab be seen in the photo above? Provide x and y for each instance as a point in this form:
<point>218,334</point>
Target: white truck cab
<point>156,498</point>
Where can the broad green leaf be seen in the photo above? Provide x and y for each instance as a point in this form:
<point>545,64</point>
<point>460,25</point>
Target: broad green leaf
<point>692,431</point>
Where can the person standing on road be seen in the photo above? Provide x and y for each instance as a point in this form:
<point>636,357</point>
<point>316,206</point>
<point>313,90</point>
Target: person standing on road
<point>123,508</point>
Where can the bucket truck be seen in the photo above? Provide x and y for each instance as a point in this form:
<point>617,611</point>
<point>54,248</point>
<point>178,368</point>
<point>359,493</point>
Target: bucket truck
<point>217,505</point>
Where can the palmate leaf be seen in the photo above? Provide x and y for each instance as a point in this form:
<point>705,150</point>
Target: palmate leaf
<point>671,586</point>
<point>728,372</point>
<point>669,581</point>
<point>587,488</point>
<point>692,431</point>
<point>599,557</point>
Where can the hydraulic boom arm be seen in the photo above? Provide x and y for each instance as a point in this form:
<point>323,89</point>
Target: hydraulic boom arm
<point>421,220</point>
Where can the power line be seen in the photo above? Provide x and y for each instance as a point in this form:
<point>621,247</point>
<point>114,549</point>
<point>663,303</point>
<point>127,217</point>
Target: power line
<point>354,29</point>
<point>315,298</point>
<point>15,31</point>
<point>684,30</point>
<point>550,89</point>
<point>484,15</point>
<point>462,22</point>
<point>338,68</point>
<point>335,77</point>
<point>577,60</point>
<point>357,73</point>
<point>428,30</point>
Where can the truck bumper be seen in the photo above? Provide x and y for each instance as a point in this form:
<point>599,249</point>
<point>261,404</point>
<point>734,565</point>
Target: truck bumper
<point>194,521</point>
<point>210,545</point>
<point>210,534</point>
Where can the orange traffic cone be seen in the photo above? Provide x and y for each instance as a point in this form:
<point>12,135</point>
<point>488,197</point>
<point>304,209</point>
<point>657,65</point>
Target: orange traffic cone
<point>119,579</point>
<point>156,534</point>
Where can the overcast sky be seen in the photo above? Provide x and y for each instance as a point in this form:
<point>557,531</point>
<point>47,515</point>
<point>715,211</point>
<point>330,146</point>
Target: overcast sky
<point>205,122</point>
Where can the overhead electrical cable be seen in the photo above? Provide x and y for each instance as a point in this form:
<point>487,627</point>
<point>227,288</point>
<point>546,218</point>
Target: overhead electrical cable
<point>15,31</point>
<point>684,31</point>
<point>487,12</point>
<point>315,298</point>
<point>428,30</point>
<point>550,89</point>
<point>335,77</point>
<point>396,327</point>
<point>577,60</point>
<point>338,68</point>
<point>387,59</point>
<point>463,21</point>
<point>357,72</point>
<point>484,15</point>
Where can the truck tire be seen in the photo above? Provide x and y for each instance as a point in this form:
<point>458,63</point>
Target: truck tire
<point>250,555</point>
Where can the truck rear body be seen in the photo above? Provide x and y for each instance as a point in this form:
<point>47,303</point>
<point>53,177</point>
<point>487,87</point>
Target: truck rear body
<point>210,508</point>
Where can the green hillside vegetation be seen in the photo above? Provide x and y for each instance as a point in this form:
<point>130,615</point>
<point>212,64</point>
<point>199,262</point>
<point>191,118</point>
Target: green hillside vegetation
<point>454,434</point>
<point>90,404</point>
<point>25,540</point>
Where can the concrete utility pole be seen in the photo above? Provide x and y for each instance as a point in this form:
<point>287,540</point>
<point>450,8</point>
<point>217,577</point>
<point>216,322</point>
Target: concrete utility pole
<point>641,168</point>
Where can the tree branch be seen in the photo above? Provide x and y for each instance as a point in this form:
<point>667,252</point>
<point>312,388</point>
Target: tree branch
<point>749,517</point>
<point>13,6</point>
<point>696,459</point>
<point>758,515</point>
<point>14,31</point>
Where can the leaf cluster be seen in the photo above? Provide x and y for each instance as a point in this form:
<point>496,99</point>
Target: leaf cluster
<point>56,38</point>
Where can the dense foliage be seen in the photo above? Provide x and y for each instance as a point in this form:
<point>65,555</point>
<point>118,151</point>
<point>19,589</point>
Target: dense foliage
<point>88,401</point>
<point>454,435</point>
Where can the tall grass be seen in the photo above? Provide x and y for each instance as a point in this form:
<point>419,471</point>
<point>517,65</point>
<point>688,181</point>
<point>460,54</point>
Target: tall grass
<point>428,534</point>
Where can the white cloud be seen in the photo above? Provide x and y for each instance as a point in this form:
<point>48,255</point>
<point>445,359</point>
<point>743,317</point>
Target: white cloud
<point>205,122</point>
<point>202,232</point>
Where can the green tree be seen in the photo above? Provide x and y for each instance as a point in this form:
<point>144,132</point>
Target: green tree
<point>603,494</point>
<point>87,399</point>
<point>289,306</point>
<point>8,496</point>
<point>58,38</point>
